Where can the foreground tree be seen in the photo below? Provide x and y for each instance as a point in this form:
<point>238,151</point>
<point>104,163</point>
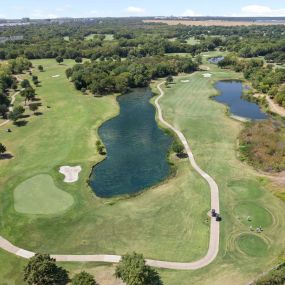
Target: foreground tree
<point>40,68</point>
<point>25,83</point>
<point>83,278</point>
<point>16,114</point>
<point>2,149</point>
<point>28,93</point>
<point>59,59</point>
<point>133,270</point>
<point>169,79</point>
<point>42,270</point>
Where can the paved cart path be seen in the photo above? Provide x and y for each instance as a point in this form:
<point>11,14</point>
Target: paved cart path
<point>213,248</point>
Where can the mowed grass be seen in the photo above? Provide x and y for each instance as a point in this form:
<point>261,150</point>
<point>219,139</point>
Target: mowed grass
<point>213,138</point>
<point>39,195</point>
<point>168,222</point>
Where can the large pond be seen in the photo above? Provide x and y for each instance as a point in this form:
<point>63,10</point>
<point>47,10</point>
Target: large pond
<point>136,149</point>
<point>231,94</point>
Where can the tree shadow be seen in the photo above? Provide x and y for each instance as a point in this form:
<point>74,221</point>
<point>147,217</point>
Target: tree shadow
<point>182,155</point>
<point>21,123</point>
<point>38,113</point>
<point>6,156</point>
<point>25,116</point>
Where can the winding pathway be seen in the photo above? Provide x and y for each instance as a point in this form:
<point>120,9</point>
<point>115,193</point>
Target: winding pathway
<point>214,230</point>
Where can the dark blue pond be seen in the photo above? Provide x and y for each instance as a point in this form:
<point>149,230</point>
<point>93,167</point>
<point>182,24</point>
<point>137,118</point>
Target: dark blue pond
<point>136,149</point>
<point>231,95</point>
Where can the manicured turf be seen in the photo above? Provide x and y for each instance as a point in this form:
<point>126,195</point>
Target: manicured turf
<point>212,136</point>
<point>252,245</point>
<point>39,195</point>
<point>108,37</point>
<point>167,222</point>
<point>251,214</point>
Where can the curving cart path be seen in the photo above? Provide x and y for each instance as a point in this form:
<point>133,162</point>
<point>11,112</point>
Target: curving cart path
<point>214,229</point>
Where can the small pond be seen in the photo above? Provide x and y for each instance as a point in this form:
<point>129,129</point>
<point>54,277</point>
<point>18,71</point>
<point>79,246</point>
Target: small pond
<point>216,60</point>
<point>231,94</point>
<point>136,148</point>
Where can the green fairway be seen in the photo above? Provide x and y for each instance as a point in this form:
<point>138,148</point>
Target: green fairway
<point>212,136</point>
<point>249,213</point>
<point>167,222</point>
<point>252,245</point>
<point>39,195</point>
<point>108,37</point>
<point>66,134</point>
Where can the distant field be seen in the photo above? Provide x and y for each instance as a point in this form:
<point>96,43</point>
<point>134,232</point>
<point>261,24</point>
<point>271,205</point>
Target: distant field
<point>212,23</point>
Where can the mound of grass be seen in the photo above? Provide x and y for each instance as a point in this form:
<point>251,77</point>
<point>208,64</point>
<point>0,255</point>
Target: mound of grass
<point>258,215</point>
<point>262,145</point>
<point>252,245</point>
<point>39,195</point>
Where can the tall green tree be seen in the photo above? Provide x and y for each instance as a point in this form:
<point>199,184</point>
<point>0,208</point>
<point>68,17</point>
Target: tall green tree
<point>16,114</point>
<point>59,59</point>
<point>42,270</point>
<point>83,278</point>
<point>132,269</point>
<point>2,148</point>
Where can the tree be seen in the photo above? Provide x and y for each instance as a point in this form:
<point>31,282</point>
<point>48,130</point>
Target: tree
<point>83,278</point>
<point>28,94</point>
<point>59,59</point>
<point>2,149</point>
<point>78,59</point>
<point>177,147</point>
<point>199,59</point>
<point>3,110</point>
<point>42,270</point>
<point>40,68</point>
<point>25,83</point>
<point>133,270</point>
<point>35,79</point>
<point>34,107</point>
<point>16,114</point>
<point>169,79</point>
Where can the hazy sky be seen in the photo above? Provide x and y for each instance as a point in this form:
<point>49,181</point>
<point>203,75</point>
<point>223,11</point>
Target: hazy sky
<point>113,8</point>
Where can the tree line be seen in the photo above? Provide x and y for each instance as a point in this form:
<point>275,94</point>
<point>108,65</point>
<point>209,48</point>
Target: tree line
<point>132,270</point>
<point>109,76</point>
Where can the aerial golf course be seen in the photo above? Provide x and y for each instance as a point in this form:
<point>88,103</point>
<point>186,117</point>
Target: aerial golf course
<point>167,222</point>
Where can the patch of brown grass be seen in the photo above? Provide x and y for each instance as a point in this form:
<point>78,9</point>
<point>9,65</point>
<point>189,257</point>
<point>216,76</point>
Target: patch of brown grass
<point>262,144</point>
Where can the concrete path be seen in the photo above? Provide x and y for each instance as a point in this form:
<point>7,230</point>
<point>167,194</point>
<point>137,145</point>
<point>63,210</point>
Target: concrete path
<point>214,230</point>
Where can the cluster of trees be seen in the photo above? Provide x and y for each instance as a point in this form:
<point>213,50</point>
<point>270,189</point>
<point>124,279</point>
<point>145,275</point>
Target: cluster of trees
<point>263,77</point>
<point>8,81</point>
<point>118,76</point>
<point>132,270</point>
<point>274,277</point>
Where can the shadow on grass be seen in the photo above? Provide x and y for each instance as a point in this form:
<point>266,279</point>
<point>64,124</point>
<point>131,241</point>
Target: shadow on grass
<point>21,123</point>
<point>6,156</point>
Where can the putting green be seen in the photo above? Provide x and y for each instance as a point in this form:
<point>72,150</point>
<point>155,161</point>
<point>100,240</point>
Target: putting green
<point>252,245</point>
<point>258,215</point>
<point>246,189</point>
<point>39,195</point>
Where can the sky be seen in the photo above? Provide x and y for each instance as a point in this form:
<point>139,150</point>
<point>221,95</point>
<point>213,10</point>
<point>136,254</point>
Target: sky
<point>122,8</point>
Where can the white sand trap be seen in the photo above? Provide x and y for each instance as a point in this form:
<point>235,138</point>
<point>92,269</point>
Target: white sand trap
<point>207,75</point>
<point>184,81</point>
<point>71,173</point>
<point>55,76</point>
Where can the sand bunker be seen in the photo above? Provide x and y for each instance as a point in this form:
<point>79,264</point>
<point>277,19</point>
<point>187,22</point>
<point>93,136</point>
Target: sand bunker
<point>71,173</point>
<point>207,75</point>
<point>55,76</point>
<point>184,81</point>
